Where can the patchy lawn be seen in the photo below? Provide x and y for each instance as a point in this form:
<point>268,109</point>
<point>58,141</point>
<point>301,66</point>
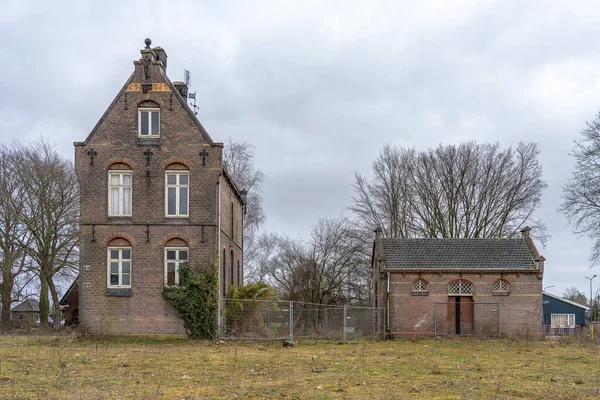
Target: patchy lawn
<point>47,367</point>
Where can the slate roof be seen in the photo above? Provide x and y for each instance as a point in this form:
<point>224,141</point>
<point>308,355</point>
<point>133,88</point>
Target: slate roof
<point>29,305</point>
<point>464,254</point>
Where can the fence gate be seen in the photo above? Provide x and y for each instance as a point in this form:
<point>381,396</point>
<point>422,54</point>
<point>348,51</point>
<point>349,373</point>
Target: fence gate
<point>463,317</point>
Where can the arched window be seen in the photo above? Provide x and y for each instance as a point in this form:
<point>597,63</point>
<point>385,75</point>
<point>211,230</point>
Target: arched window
<point>148,119</point>
<point>120,184</point>
<point>177,186</point>
<point>224,277</point>
<point>501,287</point>
<point>232,275</point>
<point>119,264</point>
<point>240,277</point>
<point>176,259</point>
<point>460,287</point>
<point>420,287</point>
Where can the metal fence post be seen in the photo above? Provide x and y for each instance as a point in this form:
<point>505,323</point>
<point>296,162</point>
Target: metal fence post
<point>434,321</point>
<point>344,334</point>
<point>326,328</point>
<point>498,307</point>
<point>291,321</point>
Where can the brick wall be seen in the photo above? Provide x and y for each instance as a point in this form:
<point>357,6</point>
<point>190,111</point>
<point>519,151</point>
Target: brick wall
<point>115,144</point>
<point>520,311</point>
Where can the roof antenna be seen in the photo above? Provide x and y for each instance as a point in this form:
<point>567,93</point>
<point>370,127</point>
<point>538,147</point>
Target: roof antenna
<point>188,82</point>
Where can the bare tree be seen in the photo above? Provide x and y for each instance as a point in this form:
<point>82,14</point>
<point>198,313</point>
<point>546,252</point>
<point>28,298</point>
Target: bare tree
<point>13,235</point>
<point>239,161</point>
<point>573,294</point>
<point>259,250</point>
<point>464,191</point>
<point>51,208</point>
<point>581,194</point>
<point>322,269</point>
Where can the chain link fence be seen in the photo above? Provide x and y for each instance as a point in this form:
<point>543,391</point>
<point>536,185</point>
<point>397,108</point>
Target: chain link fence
<point>290,320</point>
<point>466,318</point>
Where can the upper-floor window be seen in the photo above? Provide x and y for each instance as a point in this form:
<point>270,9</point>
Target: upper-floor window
<point>148,122</point>
<point>119,267</point>
<point>177,193</point>
<point>119,193</point>
<point>176,259</point>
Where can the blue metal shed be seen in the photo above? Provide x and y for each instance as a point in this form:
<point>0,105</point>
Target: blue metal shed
<point>562,316</point>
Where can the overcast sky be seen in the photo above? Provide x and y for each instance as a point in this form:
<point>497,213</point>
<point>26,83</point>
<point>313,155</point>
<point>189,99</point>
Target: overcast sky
<point>319,86</point>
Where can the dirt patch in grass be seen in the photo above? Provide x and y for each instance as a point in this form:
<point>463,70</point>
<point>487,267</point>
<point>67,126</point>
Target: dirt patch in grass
<point>174,368</point>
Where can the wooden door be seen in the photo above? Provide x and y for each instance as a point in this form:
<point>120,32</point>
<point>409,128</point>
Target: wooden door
<point>451,316</point>
<point>466,316</point>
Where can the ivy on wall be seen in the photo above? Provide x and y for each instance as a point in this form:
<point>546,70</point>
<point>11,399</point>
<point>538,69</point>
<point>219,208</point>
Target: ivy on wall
<point>196,301</point>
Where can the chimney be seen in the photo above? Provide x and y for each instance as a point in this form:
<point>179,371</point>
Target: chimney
<point>525,232</point>
<point>161,56</point>
<point>181,88</point>
<point>378,233</point>
<point>540,262</point>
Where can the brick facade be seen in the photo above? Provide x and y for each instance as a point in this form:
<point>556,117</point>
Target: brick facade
<point>182,145</point>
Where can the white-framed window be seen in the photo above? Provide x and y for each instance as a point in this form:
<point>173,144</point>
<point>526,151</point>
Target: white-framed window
<point>460,287</point>
<point>420,286</point>
<point>176,259</point>
<point>177,193</point>
<point>119,267</point>
<point>119,193</point>
<point>501,286</point>
<point>149,122</point>
<point>558,320</point>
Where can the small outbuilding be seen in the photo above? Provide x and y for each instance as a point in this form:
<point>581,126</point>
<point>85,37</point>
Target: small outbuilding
<point>69,304</point>
<point>562,316</point>
<point>26,314</point>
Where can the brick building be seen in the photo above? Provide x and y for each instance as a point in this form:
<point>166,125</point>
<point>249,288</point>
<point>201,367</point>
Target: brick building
<point>154,197</point>
<point>459,286</point>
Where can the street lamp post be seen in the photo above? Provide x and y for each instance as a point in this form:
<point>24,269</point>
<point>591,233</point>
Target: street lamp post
<point>546,287</point>
<point>591,303</point>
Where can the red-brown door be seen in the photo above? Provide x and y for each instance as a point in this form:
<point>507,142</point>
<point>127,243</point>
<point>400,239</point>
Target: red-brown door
<point>466,316</point>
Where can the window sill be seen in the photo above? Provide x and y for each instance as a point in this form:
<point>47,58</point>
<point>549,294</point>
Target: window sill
<point>113,292</point>
<point>501,293</point>
<point>149,141</point>
<point>420,293</point>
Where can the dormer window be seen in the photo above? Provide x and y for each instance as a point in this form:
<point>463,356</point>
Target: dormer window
<point>148,120</point>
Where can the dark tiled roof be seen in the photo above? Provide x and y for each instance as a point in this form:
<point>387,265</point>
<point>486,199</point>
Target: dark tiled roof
<point>457,254</point>
<point>28,305</point>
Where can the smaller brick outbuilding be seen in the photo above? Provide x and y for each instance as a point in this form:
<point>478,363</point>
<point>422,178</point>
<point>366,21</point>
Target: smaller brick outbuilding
<point>459,286</point>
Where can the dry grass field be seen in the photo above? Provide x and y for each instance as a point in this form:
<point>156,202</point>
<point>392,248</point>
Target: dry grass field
<point>67,367</point>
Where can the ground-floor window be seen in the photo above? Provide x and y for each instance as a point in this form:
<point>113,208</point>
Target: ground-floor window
<point>558,320</point>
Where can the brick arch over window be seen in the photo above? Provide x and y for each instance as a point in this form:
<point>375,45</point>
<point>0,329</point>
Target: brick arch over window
<point>176,163</point>
<point>175,239</point>
<point>119,239</point>
<point>119,163</point>
<point>148,104</point>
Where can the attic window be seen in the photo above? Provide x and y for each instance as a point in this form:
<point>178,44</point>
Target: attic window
<point>460,287</point>
<point>148,120</point>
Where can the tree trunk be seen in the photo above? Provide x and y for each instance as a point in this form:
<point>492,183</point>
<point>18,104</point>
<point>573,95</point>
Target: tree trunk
<point>7,285</point>
<point>57,313</point>
<point>44,305</point>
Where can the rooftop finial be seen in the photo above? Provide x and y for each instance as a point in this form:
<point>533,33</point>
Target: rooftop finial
<point>148,42</point>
